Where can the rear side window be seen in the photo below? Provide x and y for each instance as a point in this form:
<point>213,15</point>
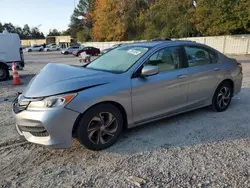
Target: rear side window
<point>198,56</point>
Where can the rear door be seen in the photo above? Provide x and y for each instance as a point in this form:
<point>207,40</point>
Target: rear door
<point>164,93</point>
<point>204,74</point>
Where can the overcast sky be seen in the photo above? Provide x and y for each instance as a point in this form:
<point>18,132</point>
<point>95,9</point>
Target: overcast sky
<point>50,13</point>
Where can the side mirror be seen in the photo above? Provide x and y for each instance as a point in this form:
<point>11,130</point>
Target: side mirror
<point>149,70</point>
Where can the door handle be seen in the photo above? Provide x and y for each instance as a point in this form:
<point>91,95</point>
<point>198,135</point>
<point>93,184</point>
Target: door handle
<point>216,69</point>
<point>182,76</point>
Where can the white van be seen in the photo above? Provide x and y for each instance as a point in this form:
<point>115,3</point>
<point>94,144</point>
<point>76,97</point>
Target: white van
<point>10,51</point>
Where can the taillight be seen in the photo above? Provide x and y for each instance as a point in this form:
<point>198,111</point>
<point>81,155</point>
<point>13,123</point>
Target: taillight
<point>240,66</point>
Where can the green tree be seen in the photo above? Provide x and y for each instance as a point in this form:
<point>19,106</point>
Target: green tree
<point>10,27</point>
<point>1,27</point>
<point>54,32</point>
<point>221,17</point>
<point>26,32</point>
<point>82,9</point>
<point>166,18</point>
<point>65,33</point>
<point>83,35</point>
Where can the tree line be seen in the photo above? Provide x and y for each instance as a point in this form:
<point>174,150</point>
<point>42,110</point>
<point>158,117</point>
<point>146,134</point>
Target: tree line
<point>117,20</point>
<point>121,20</point>
<point>28,32</point>
<point>25,33</point>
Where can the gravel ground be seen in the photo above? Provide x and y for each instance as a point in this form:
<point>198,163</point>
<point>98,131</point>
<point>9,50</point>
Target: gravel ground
<point>196,149</point>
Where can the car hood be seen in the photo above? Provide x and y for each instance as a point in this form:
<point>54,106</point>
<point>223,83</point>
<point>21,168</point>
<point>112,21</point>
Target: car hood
<point>56,79</point>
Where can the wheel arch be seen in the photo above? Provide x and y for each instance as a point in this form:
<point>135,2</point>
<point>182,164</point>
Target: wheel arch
<point>116,104</point>
<point>230,81</point>
<point>2,64</point>
<point>6,67</point>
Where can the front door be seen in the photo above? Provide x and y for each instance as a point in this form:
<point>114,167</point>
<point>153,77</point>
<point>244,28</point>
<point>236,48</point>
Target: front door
<point>163,93</point>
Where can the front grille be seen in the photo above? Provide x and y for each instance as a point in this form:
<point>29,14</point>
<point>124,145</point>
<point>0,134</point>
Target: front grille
<point>41,134</point>
<point>32,129</point>
<point>35,131</point>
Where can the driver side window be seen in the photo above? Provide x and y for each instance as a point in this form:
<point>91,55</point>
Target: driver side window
<point>166,59</point>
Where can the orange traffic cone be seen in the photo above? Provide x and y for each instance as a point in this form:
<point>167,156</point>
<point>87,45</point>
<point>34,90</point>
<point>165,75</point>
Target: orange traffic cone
<point>16,78</point>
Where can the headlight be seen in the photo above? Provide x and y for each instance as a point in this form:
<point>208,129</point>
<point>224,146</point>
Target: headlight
<point>52,102</point>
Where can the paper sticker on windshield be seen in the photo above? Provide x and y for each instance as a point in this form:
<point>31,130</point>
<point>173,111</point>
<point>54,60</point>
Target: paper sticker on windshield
<point>134,52</point>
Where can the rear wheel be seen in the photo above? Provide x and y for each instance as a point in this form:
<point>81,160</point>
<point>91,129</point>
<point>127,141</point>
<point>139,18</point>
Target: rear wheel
<point>48,50</point>
<point>66,53</point>
<point>40,49</point>
<point>4,73</point>
<point>100,127</point>
<point>29,50</point>
<point>222,97</point>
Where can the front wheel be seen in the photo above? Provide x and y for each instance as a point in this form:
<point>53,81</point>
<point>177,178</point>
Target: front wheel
<point>222,97</point>
<point>4,73</point>
<point>100,127</point>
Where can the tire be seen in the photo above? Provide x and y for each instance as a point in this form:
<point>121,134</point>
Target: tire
<point>4,73</point>
<point>222,97</point>
<point>48,50</point>
<point>97,118</point>
<point>40,50</point>
<point>66,53</point>
<point>29,50</point>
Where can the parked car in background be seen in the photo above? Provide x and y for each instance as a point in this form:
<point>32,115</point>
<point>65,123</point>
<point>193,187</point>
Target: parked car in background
<point>88,50</point>
<point>113,47</point>
<point>52,48</point>
<point>70,49</point>
<point>127,87</point>
<point>34,48</point>
<point>10,51</point>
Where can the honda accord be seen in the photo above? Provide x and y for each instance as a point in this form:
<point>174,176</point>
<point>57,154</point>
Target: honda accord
<point>129,86</point>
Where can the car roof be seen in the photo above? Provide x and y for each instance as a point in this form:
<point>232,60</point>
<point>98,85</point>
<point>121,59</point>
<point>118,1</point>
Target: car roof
<point>152,44</point>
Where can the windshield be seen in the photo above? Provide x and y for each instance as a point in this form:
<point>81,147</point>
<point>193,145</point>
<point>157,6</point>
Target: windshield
<point>118,60</point>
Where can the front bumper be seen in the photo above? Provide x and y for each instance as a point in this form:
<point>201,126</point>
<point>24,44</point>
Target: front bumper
<point>52,127</point>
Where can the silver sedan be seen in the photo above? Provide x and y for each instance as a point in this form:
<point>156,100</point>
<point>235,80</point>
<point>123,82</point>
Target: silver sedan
<point>129,86</point>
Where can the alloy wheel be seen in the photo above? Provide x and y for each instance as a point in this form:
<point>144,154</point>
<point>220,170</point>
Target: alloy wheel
<point>224,96</point>
<point>102,128</point>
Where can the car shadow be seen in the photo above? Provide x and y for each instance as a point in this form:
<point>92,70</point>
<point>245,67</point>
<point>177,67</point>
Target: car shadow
<point>192,128</point>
